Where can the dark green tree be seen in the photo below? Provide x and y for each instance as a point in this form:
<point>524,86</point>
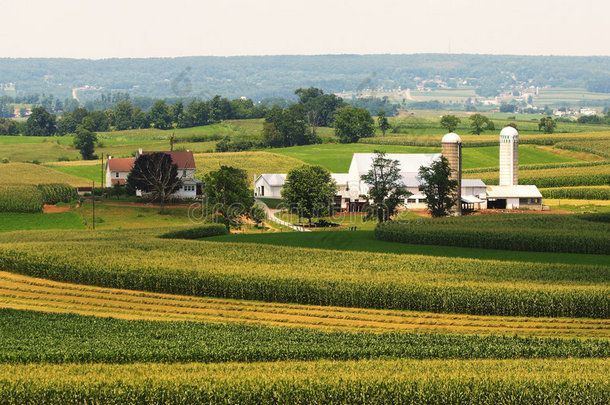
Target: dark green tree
<point>156,175</point>
<point>353,123</point>
<point>319,107</point>
<point>479,123</point>
<point>123,114</point>
<point>84,141</point>
<point>309,191</point>
<point>41,123</point>
<point>382,122</point>
<point>160,116</point>
<point>438,188</point>
<point>66,125</point>
<point>386,189</point>
<point>228,194</point>
<point>450,122</point>
<point>547,125</point>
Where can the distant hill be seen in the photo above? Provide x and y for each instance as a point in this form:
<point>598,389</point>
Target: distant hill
<point>260,77</point>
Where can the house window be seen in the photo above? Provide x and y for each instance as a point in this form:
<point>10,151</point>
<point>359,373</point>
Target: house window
<point>116,174</point>
<point>184,173</point>
<point>262,190</point>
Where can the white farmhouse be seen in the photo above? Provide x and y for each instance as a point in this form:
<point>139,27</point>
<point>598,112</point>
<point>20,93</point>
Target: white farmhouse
<point>117,171</point>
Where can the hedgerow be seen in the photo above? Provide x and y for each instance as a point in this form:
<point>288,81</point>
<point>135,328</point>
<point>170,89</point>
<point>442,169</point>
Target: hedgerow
<point>510,232</point>
<point>196,232</point>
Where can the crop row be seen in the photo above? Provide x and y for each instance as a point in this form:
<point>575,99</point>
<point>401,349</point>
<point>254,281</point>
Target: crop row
<point>524,233</point>
<point>310,276</point>
<point>593,175</point>
<point>597,147</point>
<point>28,337</point>
<point>455,382</point>
<point>539,166</point>
<point>20,198</point>
<point>579,193</point>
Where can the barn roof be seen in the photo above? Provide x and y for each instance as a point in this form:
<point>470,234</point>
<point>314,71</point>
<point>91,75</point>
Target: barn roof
<point>513,192</point>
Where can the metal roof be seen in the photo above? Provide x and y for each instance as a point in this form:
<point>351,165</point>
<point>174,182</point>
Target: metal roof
<point>513,192</point>
<point>409,162</point>
<point>473,183</point>
<point>273,179</point>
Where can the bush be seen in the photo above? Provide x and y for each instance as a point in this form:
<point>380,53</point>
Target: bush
<point>197,232</point>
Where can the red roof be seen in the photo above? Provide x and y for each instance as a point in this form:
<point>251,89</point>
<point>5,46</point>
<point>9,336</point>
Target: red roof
<point>183,159</point>
<point>121,165</point>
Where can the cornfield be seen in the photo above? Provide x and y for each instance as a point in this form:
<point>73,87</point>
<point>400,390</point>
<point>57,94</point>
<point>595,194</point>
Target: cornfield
<point>579,193</point>
<point>562,234</point>
<point>20,198</point>
<point>498,382</point>
<point>309,276</point>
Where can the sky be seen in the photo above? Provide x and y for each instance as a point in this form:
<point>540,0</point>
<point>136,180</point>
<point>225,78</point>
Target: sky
<point>137,28</point>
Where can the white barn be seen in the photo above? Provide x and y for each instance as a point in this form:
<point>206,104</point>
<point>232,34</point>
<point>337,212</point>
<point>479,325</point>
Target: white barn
<point>351,187</point>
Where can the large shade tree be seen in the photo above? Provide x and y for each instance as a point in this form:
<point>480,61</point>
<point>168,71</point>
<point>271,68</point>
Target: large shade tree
<point>353,123</point>
<point>228,195</point>
<point>41,123</point>
<point>386,188</point>
<point>156,175</point>
<point>309,191</point>
<point>438,187</point>
<point>84,141</point>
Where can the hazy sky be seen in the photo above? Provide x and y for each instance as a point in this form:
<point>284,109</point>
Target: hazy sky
<point>138,28</point>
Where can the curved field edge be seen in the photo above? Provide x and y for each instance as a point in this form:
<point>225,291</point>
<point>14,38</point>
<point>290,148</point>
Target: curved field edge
<point>28,293</point>
<point>309,276</point>
<point>370,381</point>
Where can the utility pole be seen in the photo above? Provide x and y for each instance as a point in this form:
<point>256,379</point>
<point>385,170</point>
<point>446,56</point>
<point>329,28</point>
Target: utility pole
<point>102,178</point>
<point>93,201</point>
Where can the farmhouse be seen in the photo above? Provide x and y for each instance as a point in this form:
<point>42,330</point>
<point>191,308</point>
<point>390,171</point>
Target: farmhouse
<point>474,193</point>
<point>117,171</point>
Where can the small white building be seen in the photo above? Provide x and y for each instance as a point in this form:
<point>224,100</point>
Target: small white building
<point>117,170</point>
<point>514,197</point>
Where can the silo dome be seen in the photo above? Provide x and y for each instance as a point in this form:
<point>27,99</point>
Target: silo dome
<point>451,137</point>
<point>509,131</point>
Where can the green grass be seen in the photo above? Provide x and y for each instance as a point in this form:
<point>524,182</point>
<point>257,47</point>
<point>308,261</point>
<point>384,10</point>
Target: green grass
<point>89,172</point>
<point>337,157</point>
<point>363,241</point>
<point>112,214</point>
<point>17,221</point>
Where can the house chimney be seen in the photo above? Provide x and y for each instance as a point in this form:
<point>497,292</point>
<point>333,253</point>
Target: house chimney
<point>139,151</point>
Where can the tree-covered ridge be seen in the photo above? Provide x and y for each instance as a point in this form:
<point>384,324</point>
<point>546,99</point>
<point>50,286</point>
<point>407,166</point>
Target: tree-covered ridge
<point>259,77</point>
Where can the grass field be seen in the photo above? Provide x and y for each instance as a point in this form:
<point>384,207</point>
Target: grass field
<point>27,173</point>
<point>363,241</point>
<point>124,215</point>
<point>337,157</point>
<point>13,221</point>
<point>255,163</point>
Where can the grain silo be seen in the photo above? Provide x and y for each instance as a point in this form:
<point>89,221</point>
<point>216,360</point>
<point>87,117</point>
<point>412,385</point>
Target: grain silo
<point>452,151</point>
<point>509,157</point>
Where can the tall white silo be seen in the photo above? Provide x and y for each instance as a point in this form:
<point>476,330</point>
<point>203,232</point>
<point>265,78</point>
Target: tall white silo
<point>452,151</point>
<point>509,157</point>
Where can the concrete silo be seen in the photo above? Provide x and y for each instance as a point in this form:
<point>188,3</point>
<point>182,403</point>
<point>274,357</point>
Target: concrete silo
<point>509,157</point>
<point>452,151</point>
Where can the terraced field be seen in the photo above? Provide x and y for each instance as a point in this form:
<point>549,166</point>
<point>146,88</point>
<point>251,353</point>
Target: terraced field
<point>29,293</point>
